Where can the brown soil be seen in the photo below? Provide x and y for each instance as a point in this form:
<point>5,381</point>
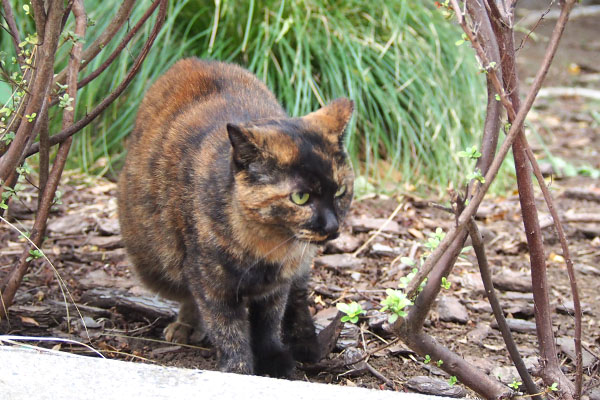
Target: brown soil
<point>83,245</point>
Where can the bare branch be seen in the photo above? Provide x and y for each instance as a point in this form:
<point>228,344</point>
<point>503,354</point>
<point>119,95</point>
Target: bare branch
<point>67,132</point>
<point>497,162</point>
<point>486,276</point>
<point>13,280</point>
<point>41,83</point>
<point>39,16</point>
<point>570,270</point>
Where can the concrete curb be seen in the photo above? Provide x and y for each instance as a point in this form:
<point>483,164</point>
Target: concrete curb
<point>38,374</point>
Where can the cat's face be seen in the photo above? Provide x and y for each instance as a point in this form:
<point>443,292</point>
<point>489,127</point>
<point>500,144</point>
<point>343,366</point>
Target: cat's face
<point>294,173</point>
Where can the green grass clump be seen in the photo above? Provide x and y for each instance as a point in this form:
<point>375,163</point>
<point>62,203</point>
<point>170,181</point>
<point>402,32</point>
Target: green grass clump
<point>419,97</point>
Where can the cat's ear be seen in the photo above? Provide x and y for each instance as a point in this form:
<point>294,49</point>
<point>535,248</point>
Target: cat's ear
<point>243,141</point>
<point>332,119</point>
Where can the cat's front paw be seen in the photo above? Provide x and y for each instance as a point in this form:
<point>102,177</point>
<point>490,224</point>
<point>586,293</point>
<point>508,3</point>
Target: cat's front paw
<point>178,332</point>
<point>236,364</point>
<point>276,363</point>
<point>306,350</point>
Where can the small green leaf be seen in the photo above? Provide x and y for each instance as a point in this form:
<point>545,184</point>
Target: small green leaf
<point>515,384</point>
<point>352,311</point>
<point>35,254</point>
<point>408,261</point>
<point>445,283</point>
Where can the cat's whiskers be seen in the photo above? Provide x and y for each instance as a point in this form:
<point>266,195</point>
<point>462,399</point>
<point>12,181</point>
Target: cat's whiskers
<point>304,249</point>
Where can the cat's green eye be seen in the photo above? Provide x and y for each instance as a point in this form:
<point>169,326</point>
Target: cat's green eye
<point>341,190</point>
<point>300,198</point>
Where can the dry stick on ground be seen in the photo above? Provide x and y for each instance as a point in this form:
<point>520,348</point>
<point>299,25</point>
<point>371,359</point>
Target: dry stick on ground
<point>570,270</point>
<point>13,280</point>
<point>570,217</point>
<point>65,133</point>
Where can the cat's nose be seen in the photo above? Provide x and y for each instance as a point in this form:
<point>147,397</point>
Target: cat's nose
<point>329,222</point>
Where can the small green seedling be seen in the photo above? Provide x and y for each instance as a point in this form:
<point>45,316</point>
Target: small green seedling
<point>515,384</point>
<point>408,261</point>
<point>435,238</point>
<point>427,359</point>
<point>352,311</point>
<point>476,175</point>
<point>452,381</point>
<point>31,117</point>
<point>446,283</point>
<point>439,363</point>
<point>405,280</point>
<point>396,301</point>
<point>554,387</point>
<point>57,197</point>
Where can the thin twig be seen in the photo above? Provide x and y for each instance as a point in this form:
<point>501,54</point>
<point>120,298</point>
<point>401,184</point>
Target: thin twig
<point>9,17</point>
<point>119,50</point>
<point>105,37</point>
<point>378,232</point>
<point>379,375</point>
<point>14,339</point>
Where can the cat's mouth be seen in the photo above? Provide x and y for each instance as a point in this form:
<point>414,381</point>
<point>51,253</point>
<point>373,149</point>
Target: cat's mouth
<point>316,238</point>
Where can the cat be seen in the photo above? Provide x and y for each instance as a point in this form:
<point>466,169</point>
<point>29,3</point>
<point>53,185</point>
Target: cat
<point>223,201</point>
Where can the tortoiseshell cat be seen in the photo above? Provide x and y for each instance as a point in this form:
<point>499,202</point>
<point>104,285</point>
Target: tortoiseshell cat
<point>223,200</point>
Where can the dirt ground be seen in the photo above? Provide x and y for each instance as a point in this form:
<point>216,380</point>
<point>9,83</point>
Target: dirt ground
<point>125,321</point>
